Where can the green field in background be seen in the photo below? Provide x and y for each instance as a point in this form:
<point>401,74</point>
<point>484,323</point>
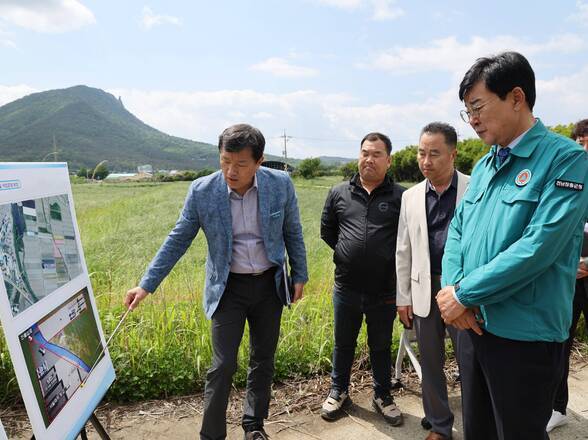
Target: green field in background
<point>164,347</point>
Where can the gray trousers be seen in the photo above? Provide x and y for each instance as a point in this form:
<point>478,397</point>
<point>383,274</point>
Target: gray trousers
<point>252,299</point>
<point>430,333</point>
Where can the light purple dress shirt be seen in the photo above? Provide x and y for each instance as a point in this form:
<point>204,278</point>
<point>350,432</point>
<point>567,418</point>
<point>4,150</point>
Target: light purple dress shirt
<point>249,255</point>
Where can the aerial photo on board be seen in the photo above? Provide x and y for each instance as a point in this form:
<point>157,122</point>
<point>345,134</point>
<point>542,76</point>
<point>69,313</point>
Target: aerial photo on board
<point>38,250</point>
<point>60,351</point>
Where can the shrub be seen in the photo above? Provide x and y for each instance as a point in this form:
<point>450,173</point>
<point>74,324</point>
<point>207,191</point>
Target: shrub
<point>310,168</point>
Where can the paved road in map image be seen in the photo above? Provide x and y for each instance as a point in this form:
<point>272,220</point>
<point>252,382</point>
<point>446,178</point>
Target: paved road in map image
<point>59,352</point>
<point>38,250</point>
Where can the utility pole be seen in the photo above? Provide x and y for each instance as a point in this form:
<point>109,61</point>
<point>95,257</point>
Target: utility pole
<point>52,153</point>
<point>286,139</point>
<point>54,148</point>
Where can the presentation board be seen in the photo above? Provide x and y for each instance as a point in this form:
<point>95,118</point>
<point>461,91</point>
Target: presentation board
<point>2,432</point>
<point>47,306</point>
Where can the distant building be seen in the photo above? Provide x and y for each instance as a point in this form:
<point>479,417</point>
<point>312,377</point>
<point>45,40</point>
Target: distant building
<point>119,176</point>
<point>145,169</point>
<point>278,165</point>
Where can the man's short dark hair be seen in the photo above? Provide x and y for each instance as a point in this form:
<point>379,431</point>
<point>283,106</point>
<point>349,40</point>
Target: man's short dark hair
<point>501,73</point>
<point>240,136</point>
<point>580,129</point>
<point>375,136</point>
<point>446,130</point>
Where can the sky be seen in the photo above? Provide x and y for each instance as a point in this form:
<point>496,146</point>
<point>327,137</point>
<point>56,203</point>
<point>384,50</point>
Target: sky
<point>324,71</point>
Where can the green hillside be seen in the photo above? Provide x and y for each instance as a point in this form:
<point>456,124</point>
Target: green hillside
<point>89,126</point>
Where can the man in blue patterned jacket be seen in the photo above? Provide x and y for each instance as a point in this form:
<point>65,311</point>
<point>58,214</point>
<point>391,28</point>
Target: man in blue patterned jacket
<point>250,218</point>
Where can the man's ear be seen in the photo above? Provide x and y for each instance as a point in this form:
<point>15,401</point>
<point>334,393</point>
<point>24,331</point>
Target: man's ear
<point>518,96</point>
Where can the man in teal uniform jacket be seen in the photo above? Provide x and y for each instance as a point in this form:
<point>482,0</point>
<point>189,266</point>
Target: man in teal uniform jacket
<point>511,255</point>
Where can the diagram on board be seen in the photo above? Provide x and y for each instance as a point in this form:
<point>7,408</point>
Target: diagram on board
<point>60,351</point>
<point>38,249</point>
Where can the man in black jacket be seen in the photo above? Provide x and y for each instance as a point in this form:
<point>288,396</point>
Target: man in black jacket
<point>360,222</point>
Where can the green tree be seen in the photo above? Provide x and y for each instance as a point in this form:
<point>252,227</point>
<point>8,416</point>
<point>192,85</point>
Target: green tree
<point>404,166</point>
<point>204,172</point>
<point>309,168</point>
<point>349,169</point>
<point>100,172</point>
<point>83,172</point>
<point>564,130</point>
<point>469,152</point>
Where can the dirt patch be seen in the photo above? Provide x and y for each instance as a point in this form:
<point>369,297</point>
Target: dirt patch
<point>294,412</point>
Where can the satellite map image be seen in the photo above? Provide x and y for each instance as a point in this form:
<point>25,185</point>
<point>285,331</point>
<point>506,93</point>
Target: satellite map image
<point>60,351</point>
<point>38,250</point>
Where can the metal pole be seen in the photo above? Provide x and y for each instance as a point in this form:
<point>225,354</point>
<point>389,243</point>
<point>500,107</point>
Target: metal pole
<point>83,434</point>
<point>98,427</point>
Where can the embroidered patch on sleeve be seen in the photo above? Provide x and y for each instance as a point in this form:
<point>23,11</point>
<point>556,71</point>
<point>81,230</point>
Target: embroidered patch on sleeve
<point>569,185</point>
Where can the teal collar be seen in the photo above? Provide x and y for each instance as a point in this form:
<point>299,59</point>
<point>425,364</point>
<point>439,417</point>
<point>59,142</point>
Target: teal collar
<point>529,142</point>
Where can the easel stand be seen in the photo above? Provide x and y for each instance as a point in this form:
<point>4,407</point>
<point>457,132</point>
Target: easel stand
<point>97,426</point>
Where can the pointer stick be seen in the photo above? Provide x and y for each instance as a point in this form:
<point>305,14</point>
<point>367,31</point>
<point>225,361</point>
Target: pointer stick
<point>105,346</point>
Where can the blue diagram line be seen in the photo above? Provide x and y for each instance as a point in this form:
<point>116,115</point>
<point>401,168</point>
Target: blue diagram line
<point>57,350</point>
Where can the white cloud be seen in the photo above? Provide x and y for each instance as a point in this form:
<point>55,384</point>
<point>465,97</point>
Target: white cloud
<point>6,40</point>
<point>262,115</point>
<point>381,9</point>
<point>342,4</point>
<point>331,124</point>
<point>320,123</point>
<point>149,19</point>
<point>385,10</point>
<point>46,16</point>
<point>203,115</point>
<point>562,99</point>
<point>581,15</point>
<point>402,122</point>
<point>12,93</point>
<point>284,68</point>
<point>448,16</point>
<point>449,54</point>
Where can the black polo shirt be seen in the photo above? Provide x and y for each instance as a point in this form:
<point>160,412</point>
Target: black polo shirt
<point>440,209</point>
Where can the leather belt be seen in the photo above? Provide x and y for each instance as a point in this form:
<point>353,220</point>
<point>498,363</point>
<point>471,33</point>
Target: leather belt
<point>255,274</point>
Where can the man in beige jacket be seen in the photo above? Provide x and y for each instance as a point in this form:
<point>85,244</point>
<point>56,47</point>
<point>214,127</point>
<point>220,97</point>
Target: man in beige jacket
<point>427,209</point>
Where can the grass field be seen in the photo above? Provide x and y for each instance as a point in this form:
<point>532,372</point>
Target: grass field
<point>164,348</point>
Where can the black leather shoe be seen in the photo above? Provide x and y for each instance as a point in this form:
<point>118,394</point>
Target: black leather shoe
<point>426,424</point>
<point>258,434</point>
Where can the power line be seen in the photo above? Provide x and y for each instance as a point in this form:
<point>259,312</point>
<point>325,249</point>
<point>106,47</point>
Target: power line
<point>354,141</point>
<point>286,138</point>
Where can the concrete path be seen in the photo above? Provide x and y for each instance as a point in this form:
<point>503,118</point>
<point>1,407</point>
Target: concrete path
<point>361,423</point>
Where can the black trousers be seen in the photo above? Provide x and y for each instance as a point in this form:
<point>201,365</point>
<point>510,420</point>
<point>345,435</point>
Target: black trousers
<point>379,315</point>
<point>580,306</point>
<point>252,299</point>
<point>508,386</point>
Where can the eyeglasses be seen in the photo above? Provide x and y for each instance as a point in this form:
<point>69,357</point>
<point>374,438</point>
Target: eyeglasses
<point>467,116</point>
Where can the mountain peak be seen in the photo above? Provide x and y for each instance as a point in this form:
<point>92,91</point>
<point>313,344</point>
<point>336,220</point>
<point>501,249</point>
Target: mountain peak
<point>91,125</point>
